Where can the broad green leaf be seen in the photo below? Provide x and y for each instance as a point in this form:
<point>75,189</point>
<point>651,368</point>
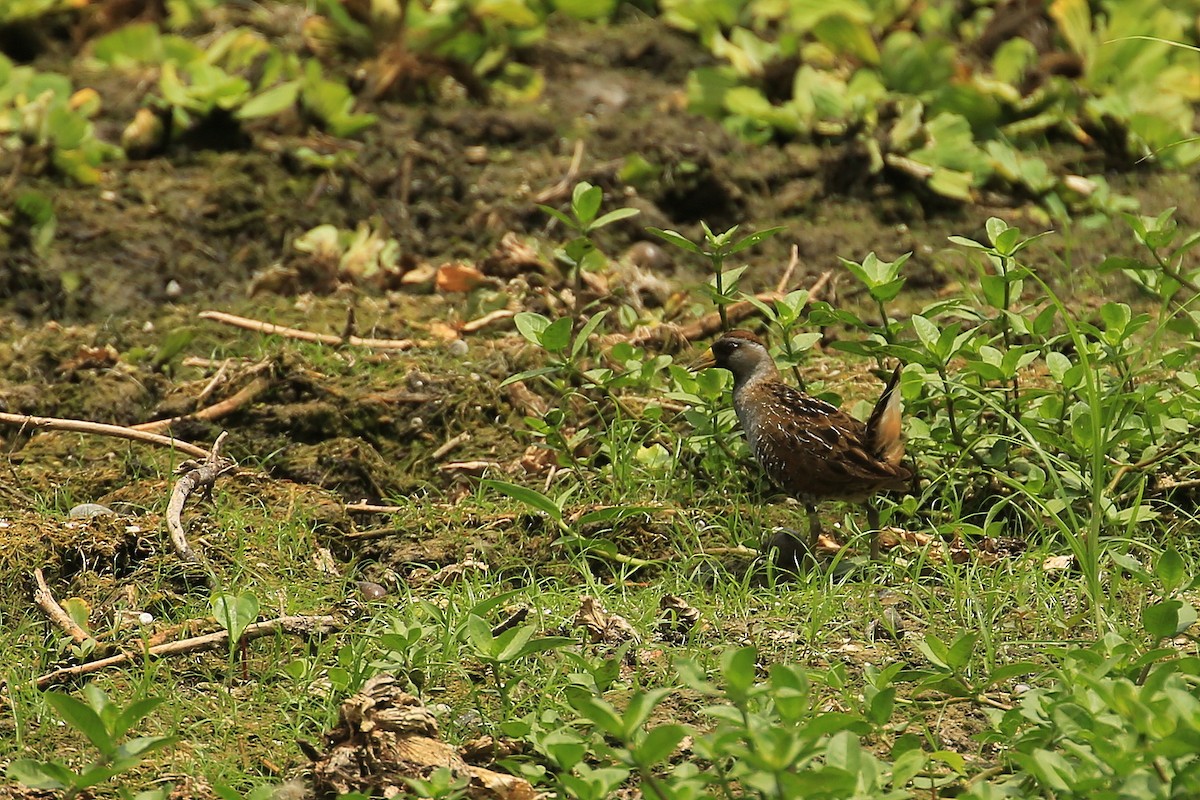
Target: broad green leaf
<point>659,744</point>
<point>558,215</point>
<point>39,774</point>
<point>235,612</point>
<point>753,239</point>
<point>1168,618</point>
<point>585,202</point>
<point>557,335</point>
<point>589,327</point>
<point>531,325</point>
<point>82,718</point>
<point>1170,570</point>
<point>530,497</point>
<point>271,102</point>
<point>614,216</point>
<point>677,239</point>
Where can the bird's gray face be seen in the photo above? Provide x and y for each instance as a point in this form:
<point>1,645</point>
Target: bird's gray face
<point>742,357</point>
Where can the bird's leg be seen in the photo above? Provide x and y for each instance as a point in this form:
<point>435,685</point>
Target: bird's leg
<point>873,524</point>
<point>814,529</point>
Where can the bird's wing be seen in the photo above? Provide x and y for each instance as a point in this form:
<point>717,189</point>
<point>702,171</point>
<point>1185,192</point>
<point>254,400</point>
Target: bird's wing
<point>827,441</point>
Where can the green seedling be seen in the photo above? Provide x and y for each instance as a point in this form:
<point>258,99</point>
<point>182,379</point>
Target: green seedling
<point>104,724</point>
<point>716,247</point>
<point>581,253</point>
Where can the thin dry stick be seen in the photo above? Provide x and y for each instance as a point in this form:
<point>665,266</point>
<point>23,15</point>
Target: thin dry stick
<point>563,187</point>
<point>294,625</point>
<point>216,410</point>
<point>786,278</point>
<point>449,445</point>
<point>211,386</point>
<point>371,508</point>
<point>195,475</point>
<point>306,336</point>
<point>44,598</point>
<point>101,429</point>
<point>490,318</point>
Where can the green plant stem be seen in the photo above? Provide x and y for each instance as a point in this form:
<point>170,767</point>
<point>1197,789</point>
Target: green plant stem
<point>883,321</point>
<point>1175,274</point>
<point>718,262</point>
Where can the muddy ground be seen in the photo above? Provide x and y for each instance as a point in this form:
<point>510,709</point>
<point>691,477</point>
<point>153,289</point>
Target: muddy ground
<point>104,327</point>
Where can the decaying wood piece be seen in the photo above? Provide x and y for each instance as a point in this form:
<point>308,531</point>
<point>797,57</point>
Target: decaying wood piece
<point>293,625</point>
<point>306,336</point>
<point>102,429</point>
<point>385,735</point>
<point>57,614</point>
<point>195,475</point>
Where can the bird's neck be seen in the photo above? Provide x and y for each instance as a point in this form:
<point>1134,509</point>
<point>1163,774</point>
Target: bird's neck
<point>764,372</point>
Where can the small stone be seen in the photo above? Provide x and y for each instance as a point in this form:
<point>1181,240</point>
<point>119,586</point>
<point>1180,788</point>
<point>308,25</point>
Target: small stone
<point>458,348</point>
<point>174,290</point>
<point>89,510</point>
<point>648,256</point>
<point>371,590</point>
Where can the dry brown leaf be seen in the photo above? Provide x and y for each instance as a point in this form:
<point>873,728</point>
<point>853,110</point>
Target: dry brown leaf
<point>603,626</point>
<point>1058,563</point>
<point>678,617</point>
<point>456,277</point>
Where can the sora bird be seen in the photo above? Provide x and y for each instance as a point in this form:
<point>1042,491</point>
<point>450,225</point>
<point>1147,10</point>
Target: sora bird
<point>813,450</point>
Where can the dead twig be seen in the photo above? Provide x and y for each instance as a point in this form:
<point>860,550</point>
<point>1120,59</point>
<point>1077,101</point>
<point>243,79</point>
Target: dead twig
<point>786,278</point>
<point>195,475</point>
<point>490,318</point>
<point>214,412</point>
<point>57,614</point>
<point>272,329</point>
<point>449,445</point>
<point>371,508</point>
<point>211,386</point>
<point>563,188</point>
<point>101,429</point>
<point>293,625</point>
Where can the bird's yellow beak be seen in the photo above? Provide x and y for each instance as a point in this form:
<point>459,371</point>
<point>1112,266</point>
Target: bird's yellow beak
<point>704,361</point>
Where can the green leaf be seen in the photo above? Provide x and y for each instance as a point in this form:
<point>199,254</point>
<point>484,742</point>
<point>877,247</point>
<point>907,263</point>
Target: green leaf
<point>133,714</point>
<point>271,102</point>
<point>589,327</point>
<point>40,774</point>
<point>738,668</point>
<point>558,215</point>
<point>614,216</point>
<point>585,202</point>
<point>641,706</point>
<point>614,513</point>
<point>1170,570</point>
<point>659,744</point>
<point>557,335</point>
<point>752,240</point>
<point>531,325</point>
<point>480,634</point>
<point>1168,618</point>
<point>530,497</point>
<point>935,650</point>
<point>84,719</point>
<point>677,239</point>
<point>235,612</point>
